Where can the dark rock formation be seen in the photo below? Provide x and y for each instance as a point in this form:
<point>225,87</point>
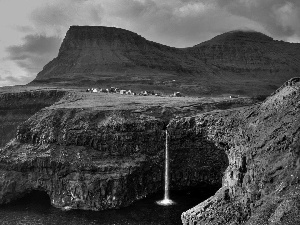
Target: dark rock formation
<point>98,159</point>
<point>261,185</point>
<point>238,62</point>
<point>16,107</point>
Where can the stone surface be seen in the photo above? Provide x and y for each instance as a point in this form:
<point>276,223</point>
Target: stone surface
<point>261,185</point>
<point>95,151</point>
<point>100,151</point>
<point>18,106</point>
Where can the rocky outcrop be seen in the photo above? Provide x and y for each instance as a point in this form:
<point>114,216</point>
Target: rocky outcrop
<point>91,158</point>
<point>85,158</point>
<point>18,106</point>
<point>108,56</point>
<point>262,182</point>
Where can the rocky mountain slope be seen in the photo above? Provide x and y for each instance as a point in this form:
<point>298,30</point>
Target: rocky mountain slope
<point>239,62</point>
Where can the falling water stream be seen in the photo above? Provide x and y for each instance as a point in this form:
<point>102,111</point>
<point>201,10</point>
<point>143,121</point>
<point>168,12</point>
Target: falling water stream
<point>36,209</point>
<point>166,201</point>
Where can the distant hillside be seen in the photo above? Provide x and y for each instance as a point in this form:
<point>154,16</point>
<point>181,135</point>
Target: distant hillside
<point>237,62</point>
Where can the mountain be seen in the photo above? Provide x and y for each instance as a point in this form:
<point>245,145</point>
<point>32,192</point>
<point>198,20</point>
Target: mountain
<point>237,62</point>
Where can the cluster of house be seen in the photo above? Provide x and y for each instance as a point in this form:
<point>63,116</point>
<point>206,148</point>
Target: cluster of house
<point>128,92</point>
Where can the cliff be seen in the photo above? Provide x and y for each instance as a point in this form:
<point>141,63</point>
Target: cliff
<point>238,62</point>
<point>261,183</point>
<point>18,105</point>
<point>99,151</point>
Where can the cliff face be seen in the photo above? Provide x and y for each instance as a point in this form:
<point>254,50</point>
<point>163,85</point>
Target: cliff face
<point>110,56</point>
<point>16,107</point>
<point>261,183</point>
<point>99,158</point>
<point>238,62</point>
<point>90,158</point>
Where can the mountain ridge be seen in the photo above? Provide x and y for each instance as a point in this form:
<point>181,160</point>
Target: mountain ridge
<point>228,63</point>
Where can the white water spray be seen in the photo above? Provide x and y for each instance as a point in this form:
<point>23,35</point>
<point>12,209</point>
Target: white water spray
<point>166,200</point>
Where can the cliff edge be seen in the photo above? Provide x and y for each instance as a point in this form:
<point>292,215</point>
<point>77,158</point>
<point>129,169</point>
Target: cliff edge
<point>261,185</point>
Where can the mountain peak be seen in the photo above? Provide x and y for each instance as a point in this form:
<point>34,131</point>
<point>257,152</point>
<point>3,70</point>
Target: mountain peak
<point>92,36</point>
<point>239,36</point>
<point>239,62</point>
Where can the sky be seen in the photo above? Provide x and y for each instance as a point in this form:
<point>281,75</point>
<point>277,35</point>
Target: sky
<point>32,30</point>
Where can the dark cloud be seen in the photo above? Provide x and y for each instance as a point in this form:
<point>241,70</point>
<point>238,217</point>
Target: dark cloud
<point>35,52</point>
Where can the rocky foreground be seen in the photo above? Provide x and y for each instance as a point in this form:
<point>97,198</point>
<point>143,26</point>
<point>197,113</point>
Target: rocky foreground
<point>86,153</point>
<point>99,151</point>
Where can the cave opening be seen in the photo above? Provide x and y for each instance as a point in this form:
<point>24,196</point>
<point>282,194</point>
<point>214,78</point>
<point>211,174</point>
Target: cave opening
<point>197,165</point>
<point>36,198</point>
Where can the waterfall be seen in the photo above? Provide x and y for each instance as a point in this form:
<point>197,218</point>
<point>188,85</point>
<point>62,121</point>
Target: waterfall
<point>166,200</point>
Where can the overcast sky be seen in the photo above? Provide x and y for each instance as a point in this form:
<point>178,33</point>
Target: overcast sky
<point>32,30</point>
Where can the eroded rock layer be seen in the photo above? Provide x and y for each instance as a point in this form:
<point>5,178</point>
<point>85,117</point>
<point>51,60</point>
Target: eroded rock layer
<point>18,106</point>
<point>261,185</point>
<point>96,159</point>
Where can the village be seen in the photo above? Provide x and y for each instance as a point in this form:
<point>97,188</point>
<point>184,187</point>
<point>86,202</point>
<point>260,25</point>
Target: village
<point>129,92</point>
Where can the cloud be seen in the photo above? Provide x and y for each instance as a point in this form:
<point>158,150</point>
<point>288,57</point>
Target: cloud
<point>279,17</point>
<point>176,23</point>
<point>25,29</point>
<point>8,78</point>
<point>35,52</point>
<point>55,18</point>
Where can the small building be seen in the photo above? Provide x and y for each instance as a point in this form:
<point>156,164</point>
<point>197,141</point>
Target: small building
<point>122,92</point>
<point>94,90</point>
<point>128,92</point>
